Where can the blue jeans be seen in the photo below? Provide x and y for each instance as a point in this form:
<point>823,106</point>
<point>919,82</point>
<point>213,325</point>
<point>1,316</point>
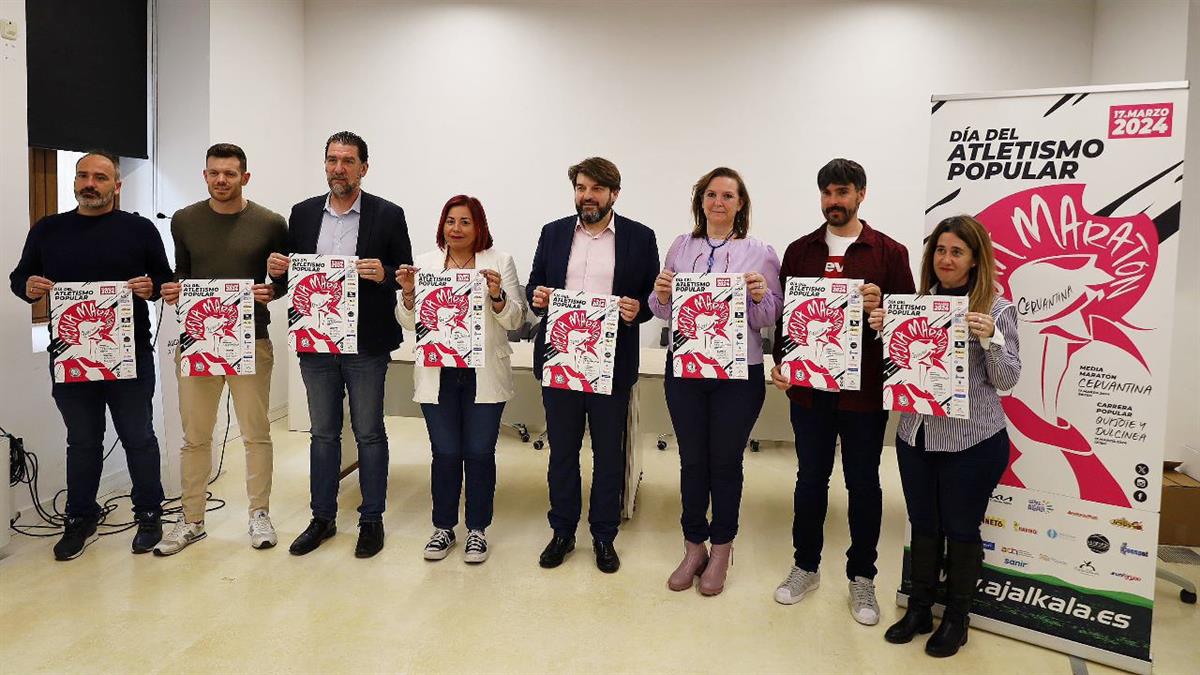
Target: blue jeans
<point>817,430</point>
<point>462,436</point>
<point>947,493</point>
<point>327,377</point>
<point>130,403</point>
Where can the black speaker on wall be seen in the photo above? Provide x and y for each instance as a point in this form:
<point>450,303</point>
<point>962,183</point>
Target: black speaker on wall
<point>87,70</point>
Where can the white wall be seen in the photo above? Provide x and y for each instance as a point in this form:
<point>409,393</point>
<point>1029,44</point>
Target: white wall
<point>498,100</point>
<point>1142,41</point>
<point>25,394</point>
<point>1183,424</point>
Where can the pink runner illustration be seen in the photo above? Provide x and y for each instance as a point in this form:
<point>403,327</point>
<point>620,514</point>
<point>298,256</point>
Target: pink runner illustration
<point>1073,276</point>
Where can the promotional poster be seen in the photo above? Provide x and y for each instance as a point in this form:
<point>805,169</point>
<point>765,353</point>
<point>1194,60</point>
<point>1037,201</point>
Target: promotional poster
<point>91,331</point>
<point>822,333</point>
<point>581,341</point>
<point>925,355</point>
<point>449,318</point>
<point>216,327</point>
<point>1081,192</point>
<point>323,314</point>
<point>708,326</point>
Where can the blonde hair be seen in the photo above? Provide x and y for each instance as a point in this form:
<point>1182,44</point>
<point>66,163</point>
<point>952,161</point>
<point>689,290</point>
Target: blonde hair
<point>982,280</point>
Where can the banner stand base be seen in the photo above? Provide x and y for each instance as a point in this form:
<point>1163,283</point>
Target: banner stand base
<point>1102,656</point>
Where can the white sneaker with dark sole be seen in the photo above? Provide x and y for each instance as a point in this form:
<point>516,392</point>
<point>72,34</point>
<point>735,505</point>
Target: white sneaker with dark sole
<point>262,532</point>
<point>181,536</point>
<point>440,543</point>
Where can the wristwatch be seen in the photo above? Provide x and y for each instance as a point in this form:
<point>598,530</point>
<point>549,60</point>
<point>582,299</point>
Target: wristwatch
<point>502,298</point>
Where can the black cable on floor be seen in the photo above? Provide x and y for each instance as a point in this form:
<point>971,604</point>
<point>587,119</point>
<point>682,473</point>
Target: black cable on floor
<point>24,469</point>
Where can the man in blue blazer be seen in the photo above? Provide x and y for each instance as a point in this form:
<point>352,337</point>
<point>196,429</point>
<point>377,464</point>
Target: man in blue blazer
<point>599,252</point>
<point>348,221</point>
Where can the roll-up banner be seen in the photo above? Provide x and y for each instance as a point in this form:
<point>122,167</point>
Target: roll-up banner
<point>1080,189</point>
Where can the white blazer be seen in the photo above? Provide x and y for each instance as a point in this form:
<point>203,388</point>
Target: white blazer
<point>493,382</point>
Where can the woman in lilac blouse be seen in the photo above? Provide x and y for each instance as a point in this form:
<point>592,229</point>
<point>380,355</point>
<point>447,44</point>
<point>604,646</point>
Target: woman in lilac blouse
<point>713,417</point>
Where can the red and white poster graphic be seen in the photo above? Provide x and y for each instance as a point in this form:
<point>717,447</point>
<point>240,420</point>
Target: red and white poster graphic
<point>708,326</point>
<point>925,355</point>
<point>216,327</point>
<point>581,341</point>
<point>323,315</point>
<point>91,331</point>
<point>449,314</point>
<point>822,333</point>
<point>1081,192</point>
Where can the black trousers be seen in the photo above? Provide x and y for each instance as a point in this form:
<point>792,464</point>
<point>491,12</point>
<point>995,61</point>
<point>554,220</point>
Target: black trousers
<point>130,403</point>
<point>712,421</point>
<point>947,493</point>
<point>567,412</point>
<point>817,430</point>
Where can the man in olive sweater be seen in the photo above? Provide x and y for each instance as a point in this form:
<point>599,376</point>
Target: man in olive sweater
<point>226,237</point>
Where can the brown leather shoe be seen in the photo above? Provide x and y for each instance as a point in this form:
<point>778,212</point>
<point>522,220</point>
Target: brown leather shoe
<point>720,557</point>
<point>694,560</point>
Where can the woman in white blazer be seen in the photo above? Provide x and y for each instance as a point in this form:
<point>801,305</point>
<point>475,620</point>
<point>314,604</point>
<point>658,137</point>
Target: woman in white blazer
<point>462,406</point>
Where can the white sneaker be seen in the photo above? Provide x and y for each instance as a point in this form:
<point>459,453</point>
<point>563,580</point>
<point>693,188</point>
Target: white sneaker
<point>262,532</point>
<point>476,549</point>
<point>440,543</point>
<point>863,606</point>
<point>179,538</point>
<point>798,584</point>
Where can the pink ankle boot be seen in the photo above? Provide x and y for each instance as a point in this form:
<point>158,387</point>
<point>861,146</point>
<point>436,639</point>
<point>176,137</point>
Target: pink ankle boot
<point>720,557</point>
<point>694,559</point>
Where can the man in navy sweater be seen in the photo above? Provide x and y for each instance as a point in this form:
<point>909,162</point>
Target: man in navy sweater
<point>98,242</point>
<point>595,251</point>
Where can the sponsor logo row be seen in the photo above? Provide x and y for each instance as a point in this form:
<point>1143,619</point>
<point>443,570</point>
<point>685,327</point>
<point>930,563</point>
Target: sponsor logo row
<point>1047,506</point>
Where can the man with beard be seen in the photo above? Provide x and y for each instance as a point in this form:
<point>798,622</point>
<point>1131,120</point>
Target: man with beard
<point>226,237</point>
<point>596,251</point>
<point>348,221</point>
<point>842,247</point>
<point>98,242</point>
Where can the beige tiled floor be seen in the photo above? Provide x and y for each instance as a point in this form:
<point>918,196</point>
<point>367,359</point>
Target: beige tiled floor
<point>220,607</point>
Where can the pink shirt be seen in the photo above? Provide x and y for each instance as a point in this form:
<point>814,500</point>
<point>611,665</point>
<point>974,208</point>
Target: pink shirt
<point>590,267</point>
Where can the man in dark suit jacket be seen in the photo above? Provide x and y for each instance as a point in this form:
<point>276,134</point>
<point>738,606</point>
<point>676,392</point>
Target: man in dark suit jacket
<point>599,252</point>
<point>348,221</point>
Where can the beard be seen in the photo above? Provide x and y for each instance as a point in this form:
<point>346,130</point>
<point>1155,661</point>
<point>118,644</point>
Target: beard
<point>344,188</point>
<point>94,199</point>
<point>591,218</point>
<point>836,215</point>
